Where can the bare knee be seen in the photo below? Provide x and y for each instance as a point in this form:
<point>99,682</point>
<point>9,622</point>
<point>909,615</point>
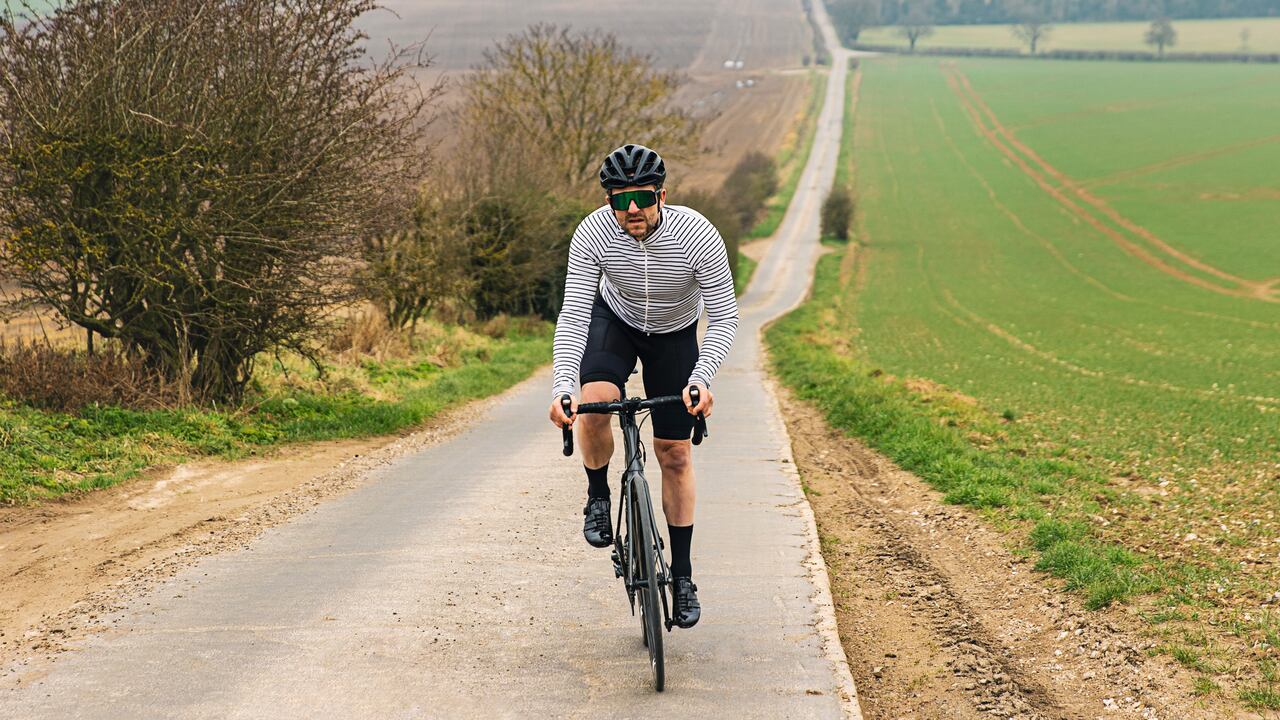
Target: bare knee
<point>598,424</point>
<point>595,424</point>
<point>599,392</point>
<point>675,456</point>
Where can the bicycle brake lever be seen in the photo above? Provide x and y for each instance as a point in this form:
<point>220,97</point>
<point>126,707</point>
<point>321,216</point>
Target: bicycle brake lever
<point>699,424</point>
<point>567,403</point>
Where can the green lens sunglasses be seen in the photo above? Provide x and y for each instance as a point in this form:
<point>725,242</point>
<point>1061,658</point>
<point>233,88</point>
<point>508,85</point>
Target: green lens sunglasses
<point>642,198</point>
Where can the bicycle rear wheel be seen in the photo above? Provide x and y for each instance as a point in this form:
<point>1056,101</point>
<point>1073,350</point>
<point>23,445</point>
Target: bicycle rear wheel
<point>646,577</point>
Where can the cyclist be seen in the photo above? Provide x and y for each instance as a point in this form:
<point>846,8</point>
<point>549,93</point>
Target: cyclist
<point>640,273</point>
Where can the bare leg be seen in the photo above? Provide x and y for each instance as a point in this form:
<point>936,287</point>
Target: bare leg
<point>595,434</point>
<point>678,495</point>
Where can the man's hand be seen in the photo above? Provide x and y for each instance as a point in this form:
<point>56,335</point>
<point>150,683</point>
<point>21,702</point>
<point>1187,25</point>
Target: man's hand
<point>705,400</point>
<point>560,420</point>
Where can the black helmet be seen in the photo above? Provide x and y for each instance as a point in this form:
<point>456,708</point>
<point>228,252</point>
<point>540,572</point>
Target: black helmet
<point>632,165</point>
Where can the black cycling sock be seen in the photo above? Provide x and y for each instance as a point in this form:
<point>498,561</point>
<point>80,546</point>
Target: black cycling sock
<point>598,482</point>
<point>681,538</point>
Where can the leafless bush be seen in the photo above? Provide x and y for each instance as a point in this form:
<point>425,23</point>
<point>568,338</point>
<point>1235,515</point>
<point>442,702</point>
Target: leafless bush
<point>518,244</point>
<point>410,271</point>
<point>190,178</point>
<point>837,213</point>
<point>69,380</point>
<point>749,186</point>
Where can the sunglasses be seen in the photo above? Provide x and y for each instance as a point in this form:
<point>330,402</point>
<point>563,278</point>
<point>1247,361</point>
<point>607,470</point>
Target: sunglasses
<point>642,199</point>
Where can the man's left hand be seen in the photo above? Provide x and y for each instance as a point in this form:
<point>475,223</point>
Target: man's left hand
<point>705,401</point>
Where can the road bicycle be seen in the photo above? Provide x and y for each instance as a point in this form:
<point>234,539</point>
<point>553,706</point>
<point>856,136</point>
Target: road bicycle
<point>637,544</point>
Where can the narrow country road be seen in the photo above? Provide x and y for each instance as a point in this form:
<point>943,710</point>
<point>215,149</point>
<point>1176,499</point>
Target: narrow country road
<point>456,583</point>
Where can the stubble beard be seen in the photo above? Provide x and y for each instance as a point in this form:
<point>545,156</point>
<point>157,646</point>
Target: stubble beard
<point>643,234</point>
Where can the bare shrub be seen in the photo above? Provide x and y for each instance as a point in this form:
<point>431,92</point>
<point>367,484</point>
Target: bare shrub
<point>749,186</point>
<point>837,213</point>
<point>190,178</point>
<point>69,380</point>
<point>409,272</point>
<point>518,240</point>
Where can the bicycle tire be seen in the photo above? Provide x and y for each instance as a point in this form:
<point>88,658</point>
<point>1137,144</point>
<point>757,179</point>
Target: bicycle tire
<point>646,566</point>
<point>634,558</point>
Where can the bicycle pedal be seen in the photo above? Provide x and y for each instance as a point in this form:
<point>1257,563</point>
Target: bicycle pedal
<point>617,563</point>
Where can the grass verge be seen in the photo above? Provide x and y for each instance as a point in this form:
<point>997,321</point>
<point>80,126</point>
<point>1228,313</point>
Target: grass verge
<point>746,268</point>
<point>974,456</point>
<point>46,455</point>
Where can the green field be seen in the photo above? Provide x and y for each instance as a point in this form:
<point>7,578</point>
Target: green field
<point>1064,309</point>
<point>1103,250</point>
<point>1193,36</point>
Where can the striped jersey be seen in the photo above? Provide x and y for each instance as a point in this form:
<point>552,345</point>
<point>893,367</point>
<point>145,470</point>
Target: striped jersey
<point>659,285</point>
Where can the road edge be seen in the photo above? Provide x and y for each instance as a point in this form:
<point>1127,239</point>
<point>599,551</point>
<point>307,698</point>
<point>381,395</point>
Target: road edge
<point>815,565</point>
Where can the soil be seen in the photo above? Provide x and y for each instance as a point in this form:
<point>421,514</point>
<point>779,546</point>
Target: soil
<point>940,619</point>
<point>749,119</point>
<point>755,249</point>
<point>65,566</point>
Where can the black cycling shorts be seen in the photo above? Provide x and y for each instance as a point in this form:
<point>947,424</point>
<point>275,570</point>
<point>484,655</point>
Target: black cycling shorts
<point>668,359</point>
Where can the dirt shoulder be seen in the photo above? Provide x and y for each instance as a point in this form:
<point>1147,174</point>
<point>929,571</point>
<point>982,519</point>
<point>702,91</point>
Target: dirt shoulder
<point>939,619</point>
<point>755,249</point>
<point>64,566</point>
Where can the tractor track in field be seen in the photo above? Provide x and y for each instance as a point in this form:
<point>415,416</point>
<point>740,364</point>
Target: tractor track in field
<point>1110,376</point>
<point>987,124</point>
<point>1016,219</point>
<point>1181,160</point>
<point>1057,254</point>
<point>1262,193</point>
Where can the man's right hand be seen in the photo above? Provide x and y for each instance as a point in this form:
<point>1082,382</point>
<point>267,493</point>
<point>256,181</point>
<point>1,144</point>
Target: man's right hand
<point>558,418</point>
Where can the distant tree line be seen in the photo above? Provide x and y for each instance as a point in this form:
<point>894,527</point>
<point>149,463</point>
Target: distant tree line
<point>850,16</point>
<point>1060,54</point>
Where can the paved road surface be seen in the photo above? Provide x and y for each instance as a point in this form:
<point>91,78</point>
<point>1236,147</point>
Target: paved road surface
<point>456,583</point>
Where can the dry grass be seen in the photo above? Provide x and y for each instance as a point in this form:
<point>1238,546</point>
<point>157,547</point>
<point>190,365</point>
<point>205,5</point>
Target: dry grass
<point>67,380</point>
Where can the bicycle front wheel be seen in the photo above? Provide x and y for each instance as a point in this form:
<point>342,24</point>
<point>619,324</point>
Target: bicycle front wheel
<point>644,546</point>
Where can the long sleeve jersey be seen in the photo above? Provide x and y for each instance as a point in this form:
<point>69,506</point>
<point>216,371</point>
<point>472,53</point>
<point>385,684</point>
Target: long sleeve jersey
<point>659,285</point>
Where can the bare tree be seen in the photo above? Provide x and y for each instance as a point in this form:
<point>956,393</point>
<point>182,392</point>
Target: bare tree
<point>916,25</point>
<point>535,121</point>
<point>849,17</point>
<point>559,101</point>
<point>1032,27</point>
<point>1161,34</point>
<point>191,178</point>
<point>1032,32</point>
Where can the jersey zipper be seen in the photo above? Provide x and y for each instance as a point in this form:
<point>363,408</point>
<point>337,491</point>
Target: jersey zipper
<point>645,251</point>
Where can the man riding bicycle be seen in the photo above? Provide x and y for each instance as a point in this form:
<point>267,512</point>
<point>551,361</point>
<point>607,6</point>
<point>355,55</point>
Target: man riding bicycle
<point>640,273</point>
